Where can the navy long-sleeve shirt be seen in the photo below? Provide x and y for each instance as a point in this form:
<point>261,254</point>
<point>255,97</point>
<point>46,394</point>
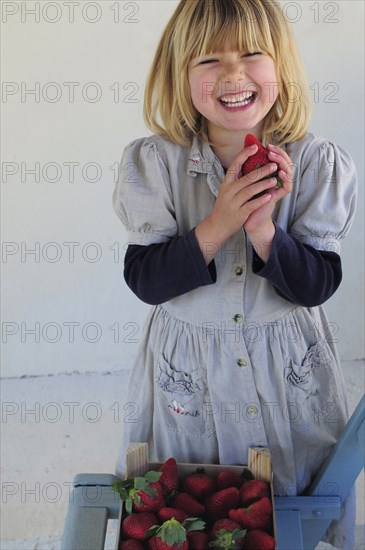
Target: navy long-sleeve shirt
<point>298,272</point>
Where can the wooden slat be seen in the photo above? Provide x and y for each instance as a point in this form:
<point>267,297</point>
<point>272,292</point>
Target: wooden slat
<point>137,459</point>
<point>259,463</point>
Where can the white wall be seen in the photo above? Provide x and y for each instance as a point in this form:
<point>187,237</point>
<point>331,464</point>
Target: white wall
<point>60,302</point>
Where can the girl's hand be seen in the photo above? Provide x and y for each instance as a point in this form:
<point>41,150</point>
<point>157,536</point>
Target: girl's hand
<point>235,203</point>
<point>259,226</point>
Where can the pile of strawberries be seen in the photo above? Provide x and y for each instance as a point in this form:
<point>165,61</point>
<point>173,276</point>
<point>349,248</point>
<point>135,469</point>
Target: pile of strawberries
<point>166,512</point>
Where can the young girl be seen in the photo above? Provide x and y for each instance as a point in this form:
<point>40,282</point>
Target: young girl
<point>237,350</point>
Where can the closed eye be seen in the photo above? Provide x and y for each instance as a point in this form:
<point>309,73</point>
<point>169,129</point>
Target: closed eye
<point>205,61</point>
<point>251,54</point>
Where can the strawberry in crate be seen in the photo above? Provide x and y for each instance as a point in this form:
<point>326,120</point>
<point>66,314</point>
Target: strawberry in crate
<point>141,494</point>
<point>226,534</point>
<point>198,511</point>
<point>169,476</point>
<point>257,515</point>
<point>173,535</point>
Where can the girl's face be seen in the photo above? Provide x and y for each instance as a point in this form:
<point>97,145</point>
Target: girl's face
<point>233,90</point>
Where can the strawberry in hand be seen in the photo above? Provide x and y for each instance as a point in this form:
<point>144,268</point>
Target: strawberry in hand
<point>259,159</point>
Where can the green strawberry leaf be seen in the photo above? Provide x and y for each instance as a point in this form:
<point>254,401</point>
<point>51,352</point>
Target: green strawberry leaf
<point>150,491</point>
<point>121,487</point>
<point>238,534</point>
<point>172,532</point>
<point>152,531</point>
<point>140,483</point>
<point>128,505</point>
<point>193,524</point>
<point>153,476</point>
<point>226,539</point>
<point>136,498</point>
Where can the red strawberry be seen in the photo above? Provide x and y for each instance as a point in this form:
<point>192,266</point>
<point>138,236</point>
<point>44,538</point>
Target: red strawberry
<point>226,524</point>
<point>198,540</point>
<point>218,505</point>
<point>254,490</point>
<point>169,478</point>
<point>142,494</point>
<point>131,544</point>
<point>172,535</point>
<point>227,478</point>
<point>149,502</point>
<point>258,540</point>
<point>260,158</point>
<point>167,513</point>
<point>151,544</point>
<point>188,504</point>
<point>134,526</point>
<point>257,516</point>
<point>162,545</point>
<point>199,485</point>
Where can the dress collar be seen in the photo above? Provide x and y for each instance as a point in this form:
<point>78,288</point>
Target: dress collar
<point>202,160</point>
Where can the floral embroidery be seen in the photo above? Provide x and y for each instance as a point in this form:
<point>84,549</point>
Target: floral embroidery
<point>302,375</point>
<point>181,387</point>
<point>176,407</point>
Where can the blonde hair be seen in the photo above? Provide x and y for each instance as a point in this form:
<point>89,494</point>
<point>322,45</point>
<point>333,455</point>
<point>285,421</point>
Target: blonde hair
<point>200,27</point>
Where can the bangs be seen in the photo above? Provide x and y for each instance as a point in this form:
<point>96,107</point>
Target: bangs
<point>241,25</point>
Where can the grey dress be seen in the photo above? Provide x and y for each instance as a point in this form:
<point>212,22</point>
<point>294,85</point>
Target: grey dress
<point>232,364</point>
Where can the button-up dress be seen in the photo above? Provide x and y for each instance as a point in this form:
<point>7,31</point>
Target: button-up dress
<point>232,364</point>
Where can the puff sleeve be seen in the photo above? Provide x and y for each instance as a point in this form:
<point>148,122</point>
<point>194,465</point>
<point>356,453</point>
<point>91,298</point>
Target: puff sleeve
<point>304,265</point>
<point>142,197</point>
<point>326,200</point>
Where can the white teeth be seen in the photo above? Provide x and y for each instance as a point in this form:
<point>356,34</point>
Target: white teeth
<point>238,100</point>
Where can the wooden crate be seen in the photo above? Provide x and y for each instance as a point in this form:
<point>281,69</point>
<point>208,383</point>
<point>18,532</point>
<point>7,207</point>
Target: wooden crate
<point>259,464</point>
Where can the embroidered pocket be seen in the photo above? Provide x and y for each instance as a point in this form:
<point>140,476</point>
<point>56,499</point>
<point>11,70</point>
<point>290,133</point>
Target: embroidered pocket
<point>182,400</point>
<point>311,387</point>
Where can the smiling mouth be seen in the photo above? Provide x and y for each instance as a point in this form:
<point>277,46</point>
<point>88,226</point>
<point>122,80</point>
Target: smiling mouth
<point>238,100</point>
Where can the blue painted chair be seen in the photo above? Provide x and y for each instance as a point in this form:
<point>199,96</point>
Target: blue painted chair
<point>301,521</point>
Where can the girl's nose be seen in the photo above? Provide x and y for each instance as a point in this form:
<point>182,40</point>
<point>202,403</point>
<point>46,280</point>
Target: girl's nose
<point>233,72</point>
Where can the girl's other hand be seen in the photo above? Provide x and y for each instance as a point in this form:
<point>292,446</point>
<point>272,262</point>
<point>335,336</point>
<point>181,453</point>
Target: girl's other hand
<point>259,225</point>
<point>285,167</point>
<point>235,203</point>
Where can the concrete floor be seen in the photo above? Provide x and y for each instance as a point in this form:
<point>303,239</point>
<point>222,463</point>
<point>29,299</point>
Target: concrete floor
<point>55,427</point>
